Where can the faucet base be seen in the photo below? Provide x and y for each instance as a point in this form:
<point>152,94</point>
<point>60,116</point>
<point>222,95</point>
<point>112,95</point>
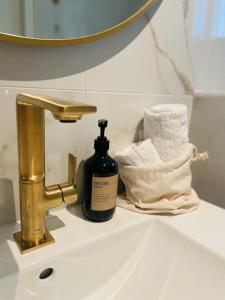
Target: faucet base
<point>25,248</point>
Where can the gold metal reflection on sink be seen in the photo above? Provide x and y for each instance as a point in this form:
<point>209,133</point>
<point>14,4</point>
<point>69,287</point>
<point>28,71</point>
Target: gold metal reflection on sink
<point>35,197</point>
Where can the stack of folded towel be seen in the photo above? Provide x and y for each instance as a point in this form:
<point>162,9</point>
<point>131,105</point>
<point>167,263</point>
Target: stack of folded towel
<point>138,154</point>
<point>156,172</point>
<point>165,133</point>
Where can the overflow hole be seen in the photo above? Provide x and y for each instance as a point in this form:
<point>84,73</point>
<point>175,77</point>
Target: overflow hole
<point>46,273</point>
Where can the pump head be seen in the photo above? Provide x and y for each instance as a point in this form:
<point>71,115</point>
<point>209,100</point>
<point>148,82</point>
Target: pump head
<point>101,142</point>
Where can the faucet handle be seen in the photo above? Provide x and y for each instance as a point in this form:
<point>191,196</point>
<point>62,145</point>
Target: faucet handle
<point>68,189</point>
<point>72,164</point>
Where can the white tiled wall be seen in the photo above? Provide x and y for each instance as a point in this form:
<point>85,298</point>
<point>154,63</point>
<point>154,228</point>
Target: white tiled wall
<point>206,39</point>
<point>145,64</point>
<point>207,131</point>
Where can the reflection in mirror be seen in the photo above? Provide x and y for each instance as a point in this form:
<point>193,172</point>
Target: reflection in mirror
<point>69,18</point>
<point>66,19</point>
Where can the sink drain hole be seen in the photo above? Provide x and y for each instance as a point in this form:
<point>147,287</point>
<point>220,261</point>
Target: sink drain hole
<point>46,273</point>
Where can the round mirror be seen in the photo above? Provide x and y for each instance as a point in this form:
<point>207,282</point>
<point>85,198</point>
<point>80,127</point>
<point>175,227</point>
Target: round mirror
<point>67,22</point>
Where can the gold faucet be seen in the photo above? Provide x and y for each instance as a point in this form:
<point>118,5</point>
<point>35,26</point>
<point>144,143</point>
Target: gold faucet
<point>35,197</point>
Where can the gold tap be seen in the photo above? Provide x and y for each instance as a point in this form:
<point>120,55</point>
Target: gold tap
<point>35,197</point>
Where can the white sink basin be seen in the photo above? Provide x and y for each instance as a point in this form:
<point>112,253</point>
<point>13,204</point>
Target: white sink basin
<point>131,257</point>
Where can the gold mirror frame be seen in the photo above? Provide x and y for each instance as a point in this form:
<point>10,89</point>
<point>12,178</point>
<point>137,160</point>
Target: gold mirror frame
<point>77,41</point>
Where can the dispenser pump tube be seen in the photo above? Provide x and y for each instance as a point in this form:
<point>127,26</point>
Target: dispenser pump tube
<point>102,124</point>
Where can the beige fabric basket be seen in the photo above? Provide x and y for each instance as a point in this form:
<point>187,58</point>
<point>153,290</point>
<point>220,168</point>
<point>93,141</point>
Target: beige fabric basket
<point>161,187</point>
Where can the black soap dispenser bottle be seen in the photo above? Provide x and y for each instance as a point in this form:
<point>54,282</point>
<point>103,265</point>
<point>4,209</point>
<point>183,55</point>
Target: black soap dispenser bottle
<point>100,181</point>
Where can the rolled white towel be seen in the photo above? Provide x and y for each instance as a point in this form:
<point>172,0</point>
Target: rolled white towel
<point>167,127</point>
<point>138,154</point>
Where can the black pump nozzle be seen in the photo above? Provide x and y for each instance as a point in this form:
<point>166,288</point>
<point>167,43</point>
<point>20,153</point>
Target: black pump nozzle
<point>102,143</point>
<point>102,124</point>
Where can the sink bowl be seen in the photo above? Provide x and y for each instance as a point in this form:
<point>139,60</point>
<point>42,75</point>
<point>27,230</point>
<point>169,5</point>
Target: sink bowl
<point>131,257</point>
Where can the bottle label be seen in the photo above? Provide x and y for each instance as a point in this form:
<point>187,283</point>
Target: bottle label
<point>104,193</point>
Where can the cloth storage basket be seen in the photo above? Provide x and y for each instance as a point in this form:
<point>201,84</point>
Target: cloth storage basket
<point>162,187</point>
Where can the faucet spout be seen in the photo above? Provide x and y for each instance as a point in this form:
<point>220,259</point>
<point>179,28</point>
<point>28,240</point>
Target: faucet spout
<point>35,197</point>
<point>62,110</point>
